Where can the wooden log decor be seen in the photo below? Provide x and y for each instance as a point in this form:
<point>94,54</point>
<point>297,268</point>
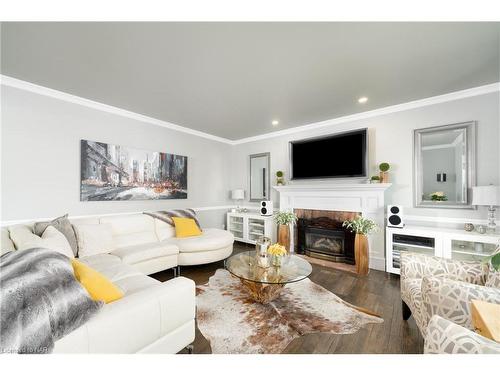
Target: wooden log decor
<point>361,254</point>
<point>261,292</point>
<point>284,236</point>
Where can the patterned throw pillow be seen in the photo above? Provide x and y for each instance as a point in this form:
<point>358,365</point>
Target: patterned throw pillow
<point>493,279</point>
<point>166,216</point>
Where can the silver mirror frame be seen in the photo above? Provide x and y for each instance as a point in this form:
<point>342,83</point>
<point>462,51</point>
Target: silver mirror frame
<point>268,176</point>
<point>470,133</point>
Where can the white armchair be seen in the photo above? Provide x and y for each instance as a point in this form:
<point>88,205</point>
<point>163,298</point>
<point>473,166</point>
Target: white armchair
<point>445,337</point>
<point>436,286</point>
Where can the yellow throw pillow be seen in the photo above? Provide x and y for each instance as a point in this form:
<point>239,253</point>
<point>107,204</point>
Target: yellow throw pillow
<point>185,227</point>
<point>98,286</point>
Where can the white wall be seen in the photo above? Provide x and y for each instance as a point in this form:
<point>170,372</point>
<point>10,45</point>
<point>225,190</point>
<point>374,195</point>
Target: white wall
<point>390,140</point>
<point>40,151</point>
<point>40,154</point>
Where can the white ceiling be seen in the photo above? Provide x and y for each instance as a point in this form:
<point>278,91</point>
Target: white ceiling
<point>233,79</point>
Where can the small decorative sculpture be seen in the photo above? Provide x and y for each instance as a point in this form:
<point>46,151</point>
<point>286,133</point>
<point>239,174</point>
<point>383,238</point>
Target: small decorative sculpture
<point>261,246</point>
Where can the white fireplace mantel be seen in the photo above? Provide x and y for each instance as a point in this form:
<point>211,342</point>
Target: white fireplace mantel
<point>368,199</point>
<point>329,187</point>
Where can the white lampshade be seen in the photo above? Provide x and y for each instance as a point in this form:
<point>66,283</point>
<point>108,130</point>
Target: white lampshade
<point>486,195</point>
<point>238,194</point>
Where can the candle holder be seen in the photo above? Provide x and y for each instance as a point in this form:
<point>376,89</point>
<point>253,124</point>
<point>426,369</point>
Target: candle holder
<point>261,246</point>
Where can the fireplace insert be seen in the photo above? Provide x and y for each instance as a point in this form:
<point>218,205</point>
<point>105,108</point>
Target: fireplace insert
<point>325,238</point>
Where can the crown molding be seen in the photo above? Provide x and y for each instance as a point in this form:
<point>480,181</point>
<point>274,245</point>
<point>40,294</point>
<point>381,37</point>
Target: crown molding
<point>462,94</point>
<point>41,90</point>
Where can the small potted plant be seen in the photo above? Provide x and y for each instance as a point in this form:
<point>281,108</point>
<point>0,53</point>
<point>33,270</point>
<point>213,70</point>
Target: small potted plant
<point>280,179</point>
<point>384,172</point>
<point>277,251</point>
<point>375,180</point>
<point>362,227</point>
<point>284,219</point>
<point>438,196</point>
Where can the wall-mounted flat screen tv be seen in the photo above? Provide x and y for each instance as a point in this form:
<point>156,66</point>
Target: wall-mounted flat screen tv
<point>341,155</point>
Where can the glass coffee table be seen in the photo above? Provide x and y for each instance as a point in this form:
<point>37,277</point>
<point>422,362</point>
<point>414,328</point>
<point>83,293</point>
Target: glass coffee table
<point>265,284</point>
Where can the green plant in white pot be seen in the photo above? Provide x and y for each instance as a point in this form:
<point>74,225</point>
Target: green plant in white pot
<point>384,172</point>
<point>280,178</point>
<point>362,227</point>
<point>284,219</point>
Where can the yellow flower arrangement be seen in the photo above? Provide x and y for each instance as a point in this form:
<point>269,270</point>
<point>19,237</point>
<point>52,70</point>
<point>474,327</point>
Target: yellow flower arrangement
<point>277,250</point>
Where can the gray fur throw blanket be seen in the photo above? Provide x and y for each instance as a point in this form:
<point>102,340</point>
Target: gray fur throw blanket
<point>40,301</point>
<point>166,216</point>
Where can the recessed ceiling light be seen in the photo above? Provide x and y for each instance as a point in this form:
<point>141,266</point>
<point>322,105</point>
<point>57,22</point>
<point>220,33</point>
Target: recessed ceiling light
<point>363,99</point>
<point>275,122</point>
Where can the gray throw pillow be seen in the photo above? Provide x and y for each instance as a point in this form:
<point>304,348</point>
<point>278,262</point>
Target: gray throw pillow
<point>63,225</point>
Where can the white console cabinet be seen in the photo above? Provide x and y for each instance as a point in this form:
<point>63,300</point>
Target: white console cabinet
<point>447,243</point>
<point>249,227</point>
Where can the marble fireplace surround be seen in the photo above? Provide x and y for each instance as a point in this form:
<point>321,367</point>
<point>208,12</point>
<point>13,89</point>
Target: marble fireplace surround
<point>369,199</point>
<point>325,220</point>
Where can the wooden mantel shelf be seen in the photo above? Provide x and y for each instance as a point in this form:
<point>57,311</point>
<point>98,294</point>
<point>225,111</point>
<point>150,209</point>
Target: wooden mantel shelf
<point>330,187</point>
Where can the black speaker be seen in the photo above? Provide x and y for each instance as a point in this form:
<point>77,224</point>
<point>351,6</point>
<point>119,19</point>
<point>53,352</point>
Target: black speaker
<point>395,216</point>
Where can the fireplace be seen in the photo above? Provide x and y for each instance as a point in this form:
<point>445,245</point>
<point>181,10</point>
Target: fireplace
<point>320,235</point>
<point>319,241</point>
<point>337,200</point>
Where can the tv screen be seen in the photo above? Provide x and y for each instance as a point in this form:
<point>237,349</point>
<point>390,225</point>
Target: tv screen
<point>334,156</point>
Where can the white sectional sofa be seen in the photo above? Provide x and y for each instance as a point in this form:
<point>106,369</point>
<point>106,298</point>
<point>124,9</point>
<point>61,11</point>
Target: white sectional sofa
<point>150,244</point>
<point>152,317</point>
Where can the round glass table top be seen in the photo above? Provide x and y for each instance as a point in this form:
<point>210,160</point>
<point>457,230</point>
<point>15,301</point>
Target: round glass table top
<point>245,266</point>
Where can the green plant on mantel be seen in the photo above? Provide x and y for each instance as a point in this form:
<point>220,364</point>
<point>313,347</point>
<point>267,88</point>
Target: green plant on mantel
<point>280,179</point>
<point>360,225</point>
<point>375,178</point>
<point>285,218</point>
<point>384,167</point>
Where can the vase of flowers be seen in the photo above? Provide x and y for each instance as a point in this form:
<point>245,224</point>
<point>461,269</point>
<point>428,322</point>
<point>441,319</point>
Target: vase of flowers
<point>277,253</point>
<point>362,227</point>
<point>284,219</point>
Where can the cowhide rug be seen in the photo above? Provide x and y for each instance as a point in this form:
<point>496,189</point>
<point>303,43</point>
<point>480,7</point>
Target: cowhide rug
<point>233,323</point>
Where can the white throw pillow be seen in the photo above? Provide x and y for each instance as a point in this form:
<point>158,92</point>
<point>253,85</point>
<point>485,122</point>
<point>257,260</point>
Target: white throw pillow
<point>51,239</point>
<point>94,239</point>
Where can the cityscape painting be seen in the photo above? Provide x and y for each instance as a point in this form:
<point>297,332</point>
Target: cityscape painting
<point>110,172</point>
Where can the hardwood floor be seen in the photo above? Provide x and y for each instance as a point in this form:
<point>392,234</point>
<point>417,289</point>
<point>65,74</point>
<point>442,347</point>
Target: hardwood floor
<point>378,291</point>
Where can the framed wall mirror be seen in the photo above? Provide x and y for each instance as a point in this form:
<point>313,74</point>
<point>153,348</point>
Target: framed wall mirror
<point>260,177</point>
<point>444,165</point>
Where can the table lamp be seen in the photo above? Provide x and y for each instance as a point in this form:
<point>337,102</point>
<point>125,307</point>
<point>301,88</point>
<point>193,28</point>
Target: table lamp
<point>238,195</point>
<point>487,196</point>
